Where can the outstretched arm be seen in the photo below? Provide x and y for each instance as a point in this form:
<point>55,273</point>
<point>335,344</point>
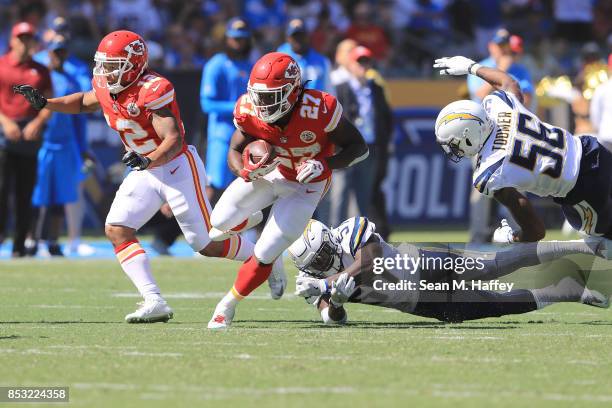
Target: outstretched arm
<point>364,259</point>
<point>80,102</point>
<point>532,227</point>
<point>500,80</point>
<point>75,103</point>
<point>497,78</point>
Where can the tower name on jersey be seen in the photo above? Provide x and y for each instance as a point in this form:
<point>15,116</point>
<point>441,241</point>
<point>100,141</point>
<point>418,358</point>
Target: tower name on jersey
<point>504,125</point>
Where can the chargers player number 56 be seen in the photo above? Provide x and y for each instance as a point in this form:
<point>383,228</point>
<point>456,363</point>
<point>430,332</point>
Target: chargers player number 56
<point>553,147</point>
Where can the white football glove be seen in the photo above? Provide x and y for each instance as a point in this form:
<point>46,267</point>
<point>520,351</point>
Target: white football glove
<point>456,66</point>
<point>342,289</point>
<point>309,170</point>
<point>503,234</point>
<point>306,286</point>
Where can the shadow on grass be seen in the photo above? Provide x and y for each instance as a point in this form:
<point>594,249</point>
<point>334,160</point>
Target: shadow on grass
<point>58,322</point>
<point>309,324</point>
<point>595,323</point>
<point>172,322</point>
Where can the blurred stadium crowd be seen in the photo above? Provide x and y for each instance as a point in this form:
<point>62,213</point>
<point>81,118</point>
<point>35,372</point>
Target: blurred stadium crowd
<point>404,35</point>
<point>557,49</point>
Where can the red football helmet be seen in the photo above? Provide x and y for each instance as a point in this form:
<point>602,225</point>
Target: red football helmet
<point>121,59</point>
<point>274,86</point>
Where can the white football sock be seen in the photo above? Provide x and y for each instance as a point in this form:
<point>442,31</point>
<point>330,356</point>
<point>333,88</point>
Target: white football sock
<point>135,263</point>
<point>240,248</point>
<point>567,290</point>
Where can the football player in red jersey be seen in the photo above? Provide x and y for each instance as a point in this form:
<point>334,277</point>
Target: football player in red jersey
<point>141,106</point>
<point>304,126</point>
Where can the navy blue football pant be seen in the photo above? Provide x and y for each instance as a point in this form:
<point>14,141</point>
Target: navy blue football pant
<point>588,206</point>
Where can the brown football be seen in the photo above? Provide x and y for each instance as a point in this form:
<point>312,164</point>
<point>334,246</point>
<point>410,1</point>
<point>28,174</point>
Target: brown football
<point>258,149</point>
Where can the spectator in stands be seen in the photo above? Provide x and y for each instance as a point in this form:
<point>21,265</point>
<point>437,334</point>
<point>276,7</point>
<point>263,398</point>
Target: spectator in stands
<point>503,51</point>
<point>224,78</point>
<point>574,20</point>
<point>96,12</point>
<point>325,35</point>
<point>592,67</point>
<point>59,158</point>
<point>305,10</point>
<point>364,105</point>
<point>21,130</point>
<point>314,66</point>
<point>182,51</point>
<point>78,70</point>
<point>601,110</point>
<point>488,20</point>
<point>140,16</point>
<point>427,33</point>
<point>341,73</point>
<point>367,33</point>
<point>266,18</point>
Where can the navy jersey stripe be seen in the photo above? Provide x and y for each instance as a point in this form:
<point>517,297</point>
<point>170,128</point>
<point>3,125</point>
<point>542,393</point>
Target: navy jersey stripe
<point>504,97</point>
<point>482,180</point>
<point>355,229</point>
<point>360,237</point>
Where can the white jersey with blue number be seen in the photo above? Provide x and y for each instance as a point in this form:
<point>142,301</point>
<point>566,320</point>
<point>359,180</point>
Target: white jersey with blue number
<point>524,152</point>
<point>352,235</point>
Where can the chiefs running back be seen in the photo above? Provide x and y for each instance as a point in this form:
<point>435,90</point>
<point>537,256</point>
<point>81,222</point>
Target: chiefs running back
<point>304,126</point>
<point>141,106</point>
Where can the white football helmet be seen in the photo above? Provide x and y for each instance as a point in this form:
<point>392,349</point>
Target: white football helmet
<point>315,252</point>
<point>462,127</point>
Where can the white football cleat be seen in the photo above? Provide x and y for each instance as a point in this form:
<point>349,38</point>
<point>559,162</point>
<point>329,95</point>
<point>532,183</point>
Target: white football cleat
<point>151,311</point>
<point>218,235</point>
<point>277,281</point>
<point>221,318</point>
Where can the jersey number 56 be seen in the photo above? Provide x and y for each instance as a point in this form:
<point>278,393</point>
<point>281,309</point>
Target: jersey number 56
<point>553,145</point>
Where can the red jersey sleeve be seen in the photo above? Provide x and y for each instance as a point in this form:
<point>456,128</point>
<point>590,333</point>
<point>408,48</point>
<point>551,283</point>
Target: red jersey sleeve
<point>331,112</point>
<point>243,110</point>
<point>158,92</point>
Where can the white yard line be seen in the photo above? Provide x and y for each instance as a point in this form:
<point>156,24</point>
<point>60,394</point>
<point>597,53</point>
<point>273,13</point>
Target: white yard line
<point>198,295</point>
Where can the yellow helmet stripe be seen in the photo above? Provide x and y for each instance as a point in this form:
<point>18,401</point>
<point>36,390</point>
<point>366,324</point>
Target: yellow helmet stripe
<point>461,116</point>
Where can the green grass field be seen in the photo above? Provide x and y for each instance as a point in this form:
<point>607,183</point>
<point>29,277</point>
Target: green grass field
<point>61,324</point>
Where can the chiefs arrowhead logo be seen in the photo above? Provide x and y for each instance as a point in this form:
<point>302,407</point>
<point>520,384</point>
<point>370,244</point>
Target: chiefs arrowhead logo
<point>292,71</point>
<point>136,47</point>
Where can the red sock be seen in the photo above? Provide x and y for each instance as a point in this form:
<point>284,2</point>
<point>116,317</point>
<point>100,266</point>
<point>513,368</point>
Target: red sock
<point>250,275</point>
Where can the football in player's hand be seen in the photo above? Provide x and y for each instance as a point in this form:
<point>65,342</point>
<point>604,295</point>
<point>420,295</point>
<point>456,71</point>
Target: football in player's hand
<point>257,151</point>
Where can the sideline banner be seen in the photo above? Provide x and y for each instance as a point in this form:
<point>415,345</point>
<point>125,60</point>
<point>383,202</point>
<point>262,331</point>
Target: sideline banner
<point>422,186</point>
